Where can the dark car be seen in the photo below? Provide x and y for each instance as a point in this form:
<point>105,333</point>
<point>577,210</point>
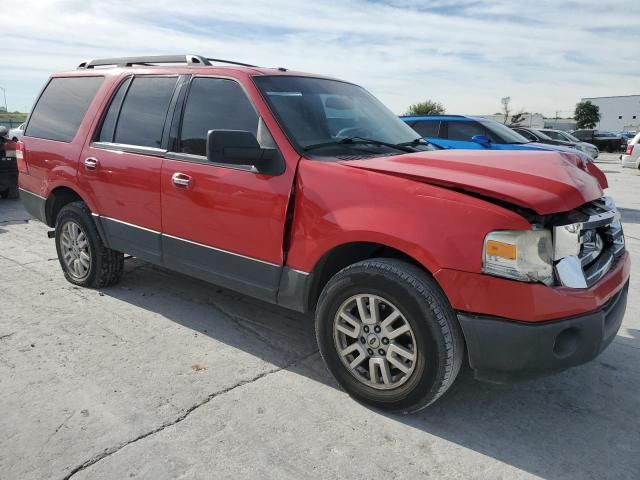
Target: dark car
<point>605,141</point>
<point>8,169</point>
<point>537,136</point>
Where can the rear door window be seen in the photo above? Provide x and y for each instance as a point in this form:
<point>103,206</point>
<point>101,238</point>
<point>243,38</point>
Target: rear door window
<point>427,128</point>
<point>143,112</point>
<point>465,131</point>
<point>61,107</point>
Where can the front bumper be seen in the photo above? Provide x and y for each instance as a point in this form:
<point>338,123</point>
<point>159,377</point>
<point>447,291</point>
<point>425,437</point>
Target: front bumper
<point>502,350</point>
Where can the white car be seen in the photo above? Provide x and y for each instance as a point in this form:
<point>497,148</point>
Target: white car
<point>16,134</point>
<point>585,147</point>
<point>631,157</point>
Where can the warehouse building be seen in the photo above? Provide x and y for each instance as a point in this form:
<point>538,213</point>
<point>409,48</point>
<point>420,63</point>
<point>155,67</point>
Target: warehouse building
<point>618,114</point>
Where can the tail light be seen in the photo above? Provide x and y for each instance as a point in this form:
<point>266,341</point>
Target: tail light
<point>21,158</point>
<point>629,149</point>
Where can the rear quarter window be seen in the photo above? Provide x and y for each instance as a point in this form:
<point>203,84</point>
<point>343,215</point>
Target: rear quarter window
<point>61,107</point>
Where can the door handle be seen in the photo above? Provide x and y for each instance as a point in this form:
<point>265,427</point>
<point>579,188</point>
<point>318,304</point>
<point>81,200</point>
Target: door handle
<point>181,180</point>
<point>91,163</point>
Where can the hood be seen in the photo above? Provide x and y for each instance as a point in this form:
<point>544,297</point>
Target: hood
<point>545,182</point>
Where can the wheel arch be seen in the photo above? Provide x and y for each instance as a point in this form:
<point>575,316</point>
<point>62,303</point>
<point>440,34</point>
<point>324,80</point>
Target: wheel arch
<point>343,255</point>
<point>56,201</point>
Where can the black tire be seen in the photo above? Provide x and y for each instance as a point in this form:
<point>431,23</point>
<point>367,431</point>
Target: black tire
<point>438,336</point>
<point>107,266</point>
<point>12,193</point>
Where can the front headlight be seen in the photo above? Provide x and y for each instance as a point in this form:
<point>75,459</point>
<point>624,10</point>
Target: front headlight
<point>524,255</point>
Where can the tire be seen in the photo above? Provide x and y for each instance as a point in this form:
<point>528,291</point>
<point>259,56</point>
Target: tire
<point>434,338</point>
<point>105,266</point>
<point>12,193</point>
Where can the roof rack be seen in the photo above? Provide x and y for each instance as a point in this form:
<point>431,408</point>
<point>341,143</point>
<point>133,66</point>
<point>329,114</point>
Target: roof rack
<point>192,60</point>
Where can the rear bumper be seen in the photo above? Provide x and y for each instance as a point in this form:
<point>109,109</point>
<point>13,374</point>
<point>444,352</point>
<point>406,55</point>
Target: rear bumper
<point>502,350</point>
<point>33,204</point>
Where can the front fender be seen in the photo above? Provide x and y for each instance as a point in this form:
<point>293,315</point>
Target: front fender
<point>438,227</point>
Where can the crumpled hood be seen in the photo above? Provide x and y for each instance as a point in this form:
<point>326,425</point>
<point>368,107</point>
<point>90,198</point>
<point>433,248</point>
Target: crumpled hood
<point>545,182</point>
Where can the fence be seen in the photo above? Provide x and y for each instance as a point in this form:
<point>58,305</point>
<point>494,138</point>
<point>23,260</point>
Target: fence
<point>11,122</point>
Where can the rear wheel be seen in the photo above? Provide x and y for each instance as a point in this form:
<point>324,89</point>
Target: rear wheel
<point>83,257</point>
<point>387,333</point>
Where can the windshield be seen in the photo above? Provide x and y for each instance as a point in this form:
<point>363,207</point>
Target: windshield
<point>503,133</point>
<point>314,112</point>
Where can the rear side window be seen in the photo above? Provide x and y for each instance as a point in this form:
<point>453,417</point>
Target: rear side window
<point>465,130</point>
<point>427,128</point>
<point>108,129</point>
<point>143,112</point>
<point>61,107</point>
<point>214,104</point>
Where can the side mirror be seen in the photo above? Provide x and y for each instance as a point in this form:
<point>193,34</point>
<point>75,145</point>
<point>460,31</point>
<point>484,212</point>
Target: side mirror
<point>237,147</point>
<point>482,140</point>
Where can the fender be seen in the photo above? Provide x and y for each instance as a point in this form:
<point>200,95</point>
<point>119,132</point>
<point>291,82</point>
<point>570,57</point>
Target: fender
<point>438,227</point>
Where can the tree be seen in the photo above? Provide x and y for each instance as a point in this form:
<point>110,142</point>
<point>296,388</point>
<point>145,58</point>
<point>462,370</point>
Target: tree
<point>587,115</point>
<point>428,107</point>
<point>518,118</point>
<point>505,108</point>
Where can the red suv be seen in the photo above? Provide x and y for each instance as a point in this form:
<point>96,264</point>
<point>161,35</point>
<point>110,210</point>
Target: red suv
<point>307,192</point>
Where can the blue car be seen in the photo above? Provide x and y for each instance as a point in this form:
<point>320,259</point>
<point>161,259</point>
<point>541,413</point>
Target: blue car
<point>471,133</point>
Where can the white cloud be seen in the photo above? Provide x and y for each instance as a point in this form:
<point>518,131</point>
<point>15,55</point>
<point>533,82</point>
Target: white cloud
<point>466,54</point>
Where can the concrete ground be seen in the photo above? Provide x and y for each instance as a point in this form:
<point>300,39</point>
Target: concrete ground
<point>165,377</point>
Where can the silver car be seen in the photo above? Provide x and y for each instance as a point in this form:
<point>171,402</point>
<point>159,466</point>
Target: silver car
<point>631,157</point>
<point>584,147</point>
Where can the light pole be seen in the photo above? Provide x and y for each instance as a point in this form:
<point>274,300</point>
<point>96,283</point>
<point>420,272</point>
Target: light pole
<point>4,93</point>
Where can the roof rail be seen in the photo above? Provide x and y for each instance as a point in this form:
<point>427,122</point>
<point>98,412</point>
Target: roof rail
<point>191,60</point>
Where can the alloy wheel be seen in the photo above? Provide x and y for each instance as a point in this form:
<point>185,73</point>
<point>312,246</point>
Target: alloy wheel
<point>76,254</point>
<point>374,341</point>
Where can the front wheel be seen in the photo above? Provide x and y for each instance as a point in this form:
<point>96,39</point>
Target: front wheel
<point>388,334</point>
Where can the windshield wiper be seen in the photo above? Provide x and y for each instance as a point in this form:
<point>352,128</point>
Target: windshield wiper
<point>418,141</point>
<point>356,140</point>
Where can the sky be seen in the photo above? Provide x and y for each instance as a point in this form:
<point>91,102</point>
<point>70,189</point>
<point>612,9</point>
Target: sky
<point>467,54</point>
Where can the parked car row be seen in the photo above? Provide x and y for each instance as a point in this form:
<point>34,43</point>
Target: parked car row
<point>461,132</point>
<point>605,141</point>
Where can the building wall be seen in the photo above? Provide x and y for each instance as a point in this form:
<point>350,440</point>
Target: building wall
<point>565,124</point>
<point>618,113</point>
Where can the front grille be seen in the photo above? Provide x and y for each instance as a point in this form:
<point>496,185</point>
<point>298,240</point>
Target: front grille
<point>601,239</point>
